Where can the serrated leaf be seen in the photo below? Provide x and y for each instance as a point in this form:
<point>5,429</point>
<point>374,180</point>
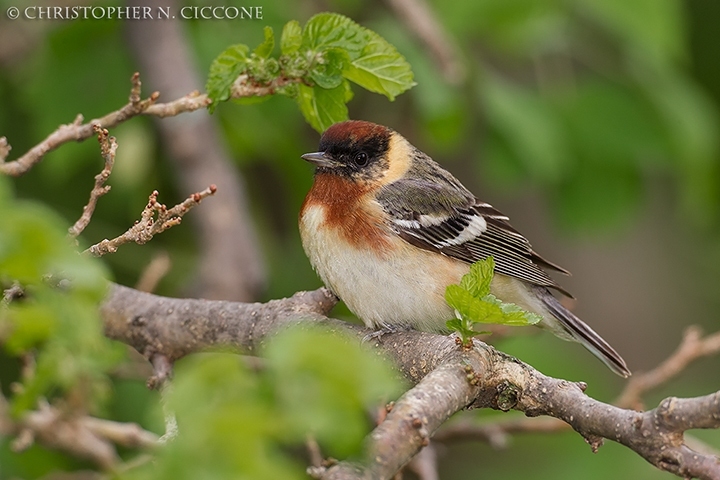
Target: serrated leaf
<point>478,280</point>
<point>266,47</point>
<point>224,70</point>
<point>330,30</point>
<point>472,308</point>
<point>380,68</point>
<point>291,38</point>
<point>323,107</point>
<point>516,316</point>
<point>473,302</point>
<point>328,74</point>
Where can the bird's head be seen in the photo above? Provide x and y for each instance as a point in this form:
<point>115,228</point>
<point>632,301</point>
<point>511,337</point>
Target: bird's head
<point>360,151</point>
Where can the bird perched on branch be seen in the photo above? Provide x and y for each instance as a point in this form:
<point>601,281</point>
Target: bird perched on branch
<point>388,229</point>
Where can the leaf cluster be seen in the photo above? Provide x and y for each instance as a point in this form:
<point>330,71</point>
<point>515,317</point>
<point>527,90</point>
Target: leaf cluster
<point>315,65</point>
<point>473,303</point>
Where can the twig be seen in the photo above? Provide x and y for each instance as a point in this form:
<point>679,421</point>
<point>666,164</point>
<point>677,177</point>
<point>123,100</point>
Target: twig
<point>149,225</point>
<point>419,18</point>
<point>171,425</point>
<point>129,435</point>
<point>83,436</point>
<point>78,131</point>
<point>163,367</point>
<point>108,146</point>
<point>314,452</point>
<point>424,464</point>
<point>692,347</point>
<point>4,149</point>
<point>497,433</point>
<point>11,293</point>
<point>156,270</point>
<point>189,103</point>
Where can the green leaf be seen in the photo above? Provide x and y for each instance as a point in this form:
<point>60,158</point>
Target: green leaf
<point>477,281</point>
<point>516,316</point>
<point>329,72</point>
<point>380,68</point>
<point>266,47</point>
<point>323,107</point>
<point>224,70</point>
<point>474,304</point>
<point>472,308</point>
<point>330,30</point>
<point>461,326</point>
<point>291,38</point>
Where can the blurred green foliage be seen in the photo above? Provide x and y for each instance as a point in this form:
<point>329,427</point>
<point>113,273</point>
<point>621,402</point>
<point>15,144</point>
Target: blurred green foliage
<point>587,101</point>
<point>57,319</point>
<point>236,423</point>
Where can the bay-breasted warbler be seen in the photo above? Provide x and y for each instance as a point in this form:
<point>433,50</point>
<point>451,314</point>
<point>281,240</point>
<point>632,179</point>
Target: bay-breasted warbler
<point>388,229</point>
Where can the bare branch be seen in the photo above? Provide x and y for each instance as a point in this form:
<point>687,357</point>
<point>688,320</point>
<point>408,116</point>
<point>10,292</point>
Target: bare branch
<point>80,435</point>
<point>189,103</point>
<point>419,18</point>
<point>314,452</point>
<point>4,149</point>
<point>497,433</point>
<point>176,327</point>
<point>108,146</point>
<point>79,131</point>
<point>447,380</point>
<point>11,293</point>
<point>149,226</point>
<point>424,464</point>
<point>155,271</point>
<point>692,347</point>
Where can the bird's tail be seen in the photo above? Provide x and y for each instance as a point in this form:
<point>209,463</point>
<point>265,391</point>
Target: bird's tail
<point>583,334</point>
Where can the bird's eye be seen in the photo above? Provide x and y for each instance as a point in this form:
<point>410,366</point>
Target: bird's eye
<point>361,159</point>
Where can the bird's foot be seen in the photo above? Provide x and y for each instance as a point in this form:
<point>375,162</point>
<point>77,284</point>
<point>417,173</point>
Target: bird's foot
<point>384,330</point>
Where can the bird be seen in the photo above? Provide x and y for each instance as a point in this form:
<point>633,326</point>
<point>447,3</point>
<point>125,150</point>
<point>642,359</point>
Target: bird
<point>387,229</point>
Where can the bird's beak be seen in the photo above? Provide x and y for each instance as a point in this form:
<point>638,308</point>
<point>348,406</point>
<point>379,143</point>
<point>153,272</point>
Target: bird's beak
<point>320,159</point>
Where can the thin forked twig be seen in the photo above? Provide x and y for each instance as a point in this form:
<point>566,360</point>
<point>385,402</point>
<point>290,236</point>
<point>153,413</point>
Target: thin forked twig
<point>108,146</point>
<point>155,218</point>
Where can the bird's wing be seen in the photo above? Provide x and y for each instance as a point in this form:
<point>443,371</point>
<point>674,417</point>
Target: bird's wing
<point>442,218</point>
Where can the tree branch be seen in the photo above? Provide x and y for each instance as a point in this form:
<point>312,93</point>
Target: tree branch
<point>80,435</point>
<point>420,20</point>
<point>448,379</point>
<point>149,226</point>
<point>78,131</point>
<point>692,347</point>
<point>108,146</point>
